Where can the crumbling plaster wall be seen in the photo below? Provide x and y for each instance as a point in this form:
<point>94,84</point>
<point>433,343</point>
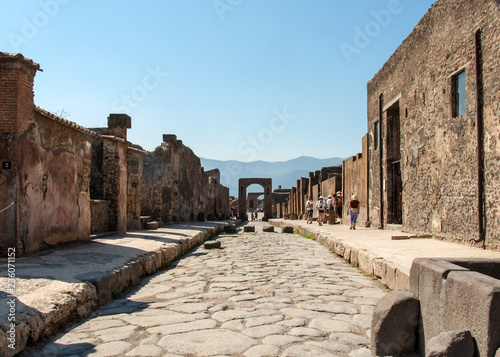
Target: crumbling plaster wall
<point>53,205</point>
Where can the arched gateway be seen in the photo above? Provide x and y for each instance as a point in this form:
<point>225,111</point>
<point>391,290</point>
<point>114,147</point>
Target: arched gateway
<point>267,184</point>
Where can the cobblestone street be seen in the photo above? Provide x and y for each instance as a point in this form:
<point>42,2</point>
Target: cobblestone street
<point>262,294</point>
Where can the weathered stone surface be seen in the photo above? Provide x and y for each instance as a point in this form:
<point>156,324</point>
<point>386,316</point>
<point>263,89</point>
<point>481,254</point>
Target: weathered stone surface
<point>306,351</point>
<point>288,229</point>
<point>249,229</point>
<point>146,351</point>
<point>212,245</point>
<point>268,228</point>
<point>394,324</point>
<point>260,296</point>
<point>262,350</point>
<point>115,348</point>
<point>230,228</point>
<point>152,225</point>
<point>451,343</point>
<point>207,343</point>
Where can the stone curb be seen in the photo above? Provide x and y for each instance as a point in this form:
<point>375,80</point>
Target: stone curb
<point>388,273</point>
<point>78,300</point>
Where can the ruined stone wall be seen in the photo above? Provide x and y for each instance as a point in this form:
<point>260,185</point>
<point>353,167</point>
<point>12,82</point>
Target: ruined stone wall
<point>99,220</point>
<point>54,201</point>
<point>16,115</point>
<point>355,172</point>
<point>437,151</point>
<point>160,181</point>
<point>175,187</point>
<point>134,187</point>
<point>331,185</point>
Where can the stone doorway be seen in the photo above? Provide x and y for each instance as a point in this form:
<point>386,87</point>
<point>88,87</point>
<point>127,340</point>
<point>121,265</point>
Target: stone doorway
<point>394,180</point>
<point>243,184</point>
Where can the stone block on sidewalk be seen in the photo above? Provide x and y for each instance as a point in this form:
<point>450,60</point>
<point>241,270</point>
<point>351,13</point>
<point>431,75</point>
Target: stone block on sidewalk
<point>288,229</point>
<point>152,225</point>
<point>230,228</point>
<point>394,324</point>
<point>212,245</point>
<point>249,229</point>
<point>268,229</point>
<point>451,343</point>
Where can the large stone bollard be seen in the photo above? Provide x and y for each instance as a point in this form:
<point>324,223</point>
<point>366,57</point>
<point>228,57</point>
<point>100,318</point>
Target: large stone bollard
<point>268,229</point>
<point>249,229</point>
<point>394,324</point>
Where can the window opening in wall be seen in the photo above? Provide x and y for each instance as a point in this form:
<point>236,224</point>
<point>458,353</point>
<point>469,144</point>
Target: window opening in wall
<point>459,95</point>
<point>376,134</point>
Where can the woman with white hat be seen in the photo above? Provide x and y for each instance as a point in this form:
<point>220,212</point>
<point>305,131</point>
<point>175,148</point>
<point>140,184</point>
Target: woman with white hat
<point>353,210</point>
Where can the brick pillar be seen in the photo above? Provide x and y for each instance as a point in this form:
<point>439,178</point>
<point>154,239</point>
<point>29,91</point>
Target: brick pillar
<point>115,181</point>
<point>17,74</point>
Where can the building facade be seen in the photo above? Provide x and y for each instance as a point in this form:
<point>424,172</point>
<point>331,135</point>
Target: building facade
<point>433,125</point>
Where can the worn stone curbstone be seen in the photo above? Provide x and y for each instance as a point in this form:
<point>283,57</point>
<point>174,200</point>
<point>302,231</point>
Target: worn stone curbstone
<point>394,324</point>
<point>212,245</point>
<point>268,229</point>
<point>451,343</point>
<point>249,229</point>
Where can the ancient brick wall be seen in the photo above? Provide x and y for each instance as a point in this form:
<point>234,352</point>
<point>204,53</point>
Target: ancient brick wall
<point>331,185</point>
<point>175,186</point>
<point>99,219</point>
<point>423,165</point>
<point>218,197</point>
<point>16,114</point>
<point>355,173</point>
<point>134,187</point>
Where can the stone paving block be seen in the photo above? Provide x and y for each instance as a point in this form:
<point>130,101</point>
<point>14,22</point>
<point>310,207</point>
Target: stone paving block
<point>249,229</point>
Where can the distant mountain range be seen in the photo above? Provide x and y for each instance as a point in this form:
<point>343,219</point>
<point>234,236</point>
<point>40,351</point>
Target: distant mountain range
<point>283,173</point>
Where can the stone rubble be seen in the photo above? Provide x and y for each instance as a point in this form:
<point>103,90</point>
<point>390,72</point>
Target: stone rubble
<point>264,294</point>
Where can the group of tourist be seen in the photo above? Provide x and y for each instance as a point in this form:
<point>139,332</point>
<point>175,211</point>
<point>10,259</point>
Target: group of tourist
<point>334,206</point>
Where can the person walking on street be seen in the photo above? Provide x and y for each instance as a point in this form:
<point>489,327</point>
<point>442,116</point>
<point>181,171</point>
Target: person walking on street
<point>338,204</point>
<point>309,210</point>
<point>353,210</point>
<point>320,205</point>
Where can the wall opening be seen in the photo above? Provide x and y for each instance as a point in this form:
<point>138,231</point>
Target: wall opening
<point>458,99</point>
<point>394,181</point>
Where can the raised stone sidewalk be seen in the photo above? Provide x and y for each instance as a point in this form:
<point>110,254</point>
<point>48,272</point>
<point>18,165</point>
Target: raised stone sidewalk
<point>65,284</point>
<point>386,254</point>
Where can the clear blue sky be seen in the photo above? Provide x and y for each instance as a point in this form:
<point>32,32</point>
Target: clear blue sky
<point>234,79</point>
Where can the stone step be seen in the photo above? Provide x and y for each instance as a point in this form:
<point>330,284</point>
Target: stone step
<point>152,225</point>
